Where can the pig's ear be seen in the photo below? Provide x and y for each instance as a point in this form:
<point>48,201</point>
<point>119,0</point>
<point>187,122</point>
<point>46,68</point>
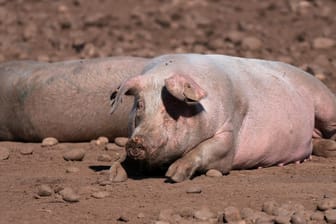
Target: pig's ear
<point>128,87</point>
<point>185,89</point>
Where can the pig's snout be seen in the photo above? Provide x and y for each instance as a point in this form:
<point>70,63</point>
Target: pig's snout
<point>135,148</point>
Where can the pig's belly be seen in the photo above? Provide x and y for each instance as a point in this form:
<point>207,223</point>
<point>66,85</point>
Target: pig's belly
<point>273,134</point>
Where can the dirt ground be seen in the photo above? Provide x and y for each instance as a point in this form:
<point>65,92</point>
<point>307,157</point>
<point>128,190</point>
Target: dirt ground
<point>302,33</point>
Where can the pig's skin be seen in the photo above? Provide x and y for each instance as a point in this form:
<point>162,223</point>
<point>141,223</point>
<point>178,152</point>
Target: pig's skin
<point>201,112</point>
<point>66,100</point>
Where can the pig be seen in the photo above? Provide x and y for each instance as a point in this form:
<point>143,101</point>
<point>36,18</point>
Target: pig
<point>196,112</point>
<point>67,100</point>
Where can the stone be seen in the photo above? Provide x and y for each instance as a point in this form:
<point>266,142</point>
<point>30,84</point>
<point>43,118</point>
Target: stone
<point>122,218</point>
<point>298,219</point>
<point>166,215</point>
<point>317,216</point>
<point>44,190</point>
<point>141,215</point>
<point>204,214</point>
<point>323,43</point>
<point>330,216</point>
<point>214,173</point>
<point>26,151</point>
<point>72,169</point>
<point>326,203</point>
<point>4,153</point>
<point>100,194</point>
<point>104,158</point>
<point>74,155</point>
<point>194,190</point>
<point>121,141</point>
<point>234,36</point>
<point>50,141</point>
<point>117,173</point>
<point>231,214</point>
<point>102,140</point>
<point>282,219</point>
<point>113,147</point>
<point>269,206</point>
<point>69,195</point>
<point>251,43</point>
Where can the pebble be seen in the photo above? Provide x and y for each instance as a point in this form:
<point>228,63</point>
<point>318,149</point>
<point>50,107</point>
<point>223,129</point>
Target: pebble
<point>330,216</point>
<point>117,173</point>
<point>298,219</point>
<point>104,158</point>
<point>50,141</point>
<point>282,219</point>
<point>327,203</point>
<point>100,194</point>
<point>234,36</point>
<point>251,43</point>
<point>102,140</point>
<point>113,147</point>
<point>281,212</point>
<point>26,151</point>
<point>323,43</point>
<point>214,173</point>
<point>166,215</point>
<point>69,195</point>
<point>74,155</point>
<point>88,190</point>
<point>44,190</point>
<point>320,76</point>
<point>264,220</point>
<point>194,190</point>
<point>72,169</point>
<point>231,214</point>
<point>269,206</point>
<point>186,212</point>
<point>123,218</point>
<point>317,215</point>
<point>141,215</point>
<point>120,141</point>
<point>4,153</point>
<point>246,213</point>
<point>204,214</point>
<point>161,222</point>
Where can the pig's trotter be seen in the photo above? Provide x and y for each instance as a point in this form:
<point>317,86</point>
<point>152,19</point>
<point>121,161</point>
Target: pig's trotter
<point>324,147</point>
<point>207,155</point>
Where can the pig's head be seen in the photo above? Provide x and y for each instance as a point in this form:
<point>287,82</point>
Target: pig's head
<point>163,116</point>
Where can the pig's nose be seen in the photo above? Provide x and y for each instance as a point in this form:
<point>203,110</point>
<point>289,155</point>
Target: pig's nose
<point>135,148</point>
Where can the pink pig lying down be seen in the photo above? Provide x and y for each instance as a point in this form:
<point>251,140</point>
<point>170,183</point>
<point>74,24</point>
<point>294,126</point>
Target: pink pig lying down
<point>200,112</point>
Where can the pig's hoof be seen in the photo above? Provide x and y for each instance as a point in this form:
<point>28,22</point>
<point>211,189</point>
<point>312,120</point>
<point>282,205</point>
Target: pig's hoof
<point>324,147</point>
<point>180,171</point>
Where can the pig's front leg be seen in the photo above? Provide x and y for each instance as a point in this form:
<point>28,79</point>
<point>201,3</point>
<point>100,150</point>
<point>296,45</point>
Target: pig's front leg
<point>214,153</point>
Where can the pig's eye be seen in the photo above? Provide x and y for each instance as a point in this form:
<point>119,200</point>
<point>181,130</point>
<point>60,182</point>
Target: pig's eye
<point>140,106</point>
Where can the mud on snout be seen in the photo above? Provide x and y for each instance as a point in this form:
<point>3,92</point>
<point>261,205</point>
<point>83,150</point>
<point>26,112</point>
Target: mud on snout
<point>150,155</point>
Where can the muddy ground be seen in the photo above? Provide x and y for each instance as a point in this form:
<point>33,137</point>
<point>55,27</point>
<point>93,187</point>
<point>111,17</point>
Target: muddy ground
<point>302,33</point>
